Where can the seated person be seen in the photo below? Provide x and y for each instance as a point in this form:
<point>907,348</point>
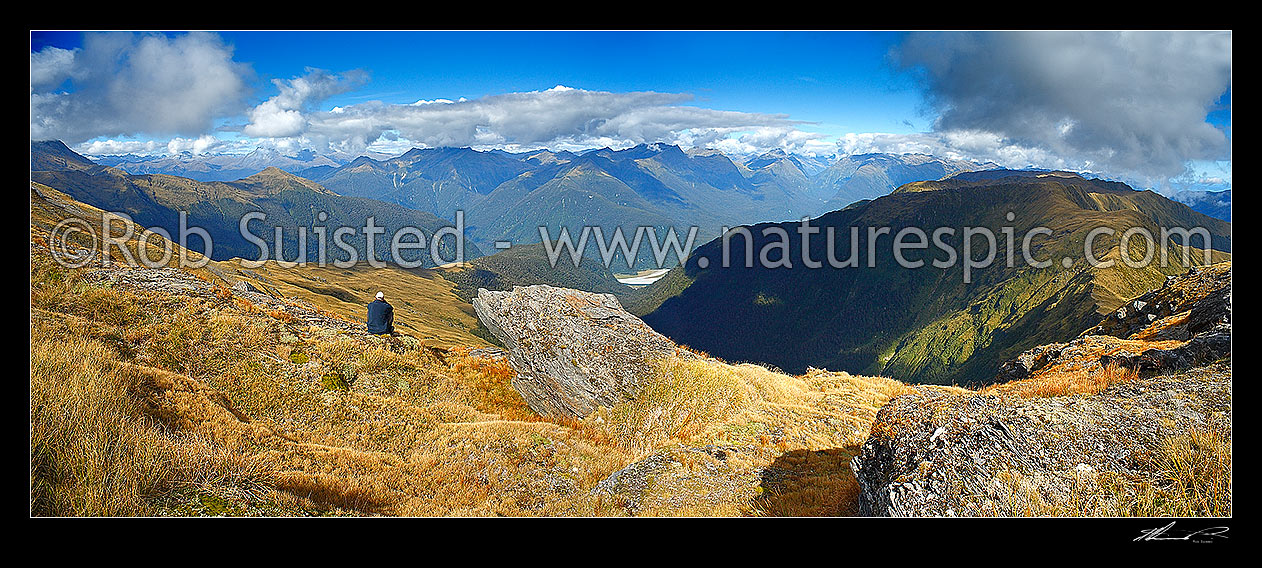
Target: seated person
<point>380,316</point>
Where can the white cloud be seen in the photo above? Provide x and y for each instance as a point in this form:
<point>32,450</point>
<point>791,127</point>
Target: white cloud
<point>119,147</point>
<point>560,117</point>
<point>127,84</point>
<point>50,67</point>
<point>199,145</point>
<point>204,144</point>
<point>974,145</point>
<point>283,115</point>
<point>424,102</point>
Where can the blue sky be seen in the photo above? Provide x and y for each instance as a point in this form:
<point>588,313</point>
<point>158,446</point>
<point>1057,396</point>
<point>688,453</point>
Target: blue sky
<point>810,92</point>
<point>840,80</point>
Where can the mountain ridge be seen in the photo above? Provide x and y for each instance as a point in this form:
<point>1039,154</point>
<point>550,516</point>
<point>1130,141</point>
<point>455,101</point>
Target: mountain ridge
<point>496,189</point>
<point>927,324</point>
<point>287,201</point>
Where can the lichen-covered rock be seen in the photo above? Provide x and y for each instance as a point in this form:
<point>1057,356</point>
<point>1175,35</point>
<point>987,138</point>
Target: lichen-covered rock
<point>934,453</point>
<point>573,351</point>
<point>692,480</point>
<point>1025,364</point>
<point>243,286</point>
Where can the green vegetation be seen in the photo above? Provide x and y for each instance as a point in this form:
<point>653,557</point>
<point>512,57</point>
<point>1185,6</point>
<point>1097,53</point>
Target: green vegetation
<point>925,325</point>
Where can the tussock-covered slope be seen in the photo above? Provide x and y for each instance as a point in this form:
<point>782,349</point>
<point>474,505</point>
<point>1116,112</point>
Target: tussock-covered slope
<point>177,392</point>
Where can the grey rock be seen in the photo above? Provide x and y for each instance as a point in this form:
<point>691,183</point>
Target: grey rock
<point>682,478</point>
<point>573,351</point>
<point>1025,364</point>
<point>934,453</point>
<point>243,286</point>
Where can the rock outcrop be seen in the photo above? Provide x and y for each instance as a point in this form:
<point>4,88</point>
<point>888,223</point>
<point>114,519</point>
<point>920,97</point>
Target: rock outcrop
<point>938,454</point>
<point>934,453</point>
<point>573,351</point>
<point>684,479</point>
<point>1198,301</point>
<point>1183,324</point>
<point>175,281</point>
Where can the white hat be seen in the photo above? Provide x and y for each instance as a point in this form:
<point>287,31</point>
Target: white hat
<point>381,295</point>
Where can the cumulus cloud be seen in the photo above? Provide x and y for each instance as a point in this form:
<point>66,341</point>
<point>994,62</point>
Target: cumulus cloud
<point>125,84</point>
<point>1130,103</point>
<point>283,116</point>
<point>203,144</point>
<point>120,147</point>
<point>973,145</point>
<point>50,67</point>
<point>560,117</point>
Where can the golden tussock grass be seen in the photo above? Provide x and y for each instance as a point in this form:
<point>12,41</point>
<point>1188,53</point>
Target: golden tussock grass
<point>95,451</point>
<point>140,399</point>
<point>1063,382</point>
<point>682,401</point>
<point>820,486</point>
<point>1192,479</point>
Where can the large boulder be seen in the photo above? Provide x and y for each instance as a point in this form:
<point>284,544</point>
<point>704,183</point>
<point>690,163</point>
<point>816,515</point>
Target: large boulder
<point>573,351</point>
<point>933,453</point>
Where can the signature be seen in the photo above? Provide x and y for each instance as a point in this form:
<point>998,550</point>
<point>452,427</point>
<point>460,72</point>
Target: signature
<point>1164,533</point>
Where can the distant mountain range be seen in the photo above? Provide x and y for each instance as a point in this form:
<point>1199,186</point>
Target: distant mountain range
<point>1216,204</point>
<point>288,201</point>
<point>441,180</point>
<point>868,176</point>
<point>923,324</point>
<point>220,167</point>
<point>509,196</point>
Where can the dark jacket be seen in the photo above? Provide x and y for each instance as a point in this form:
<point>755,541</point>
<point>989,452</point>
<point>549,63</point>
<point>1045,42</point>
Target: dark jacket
<point>380,317</point>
